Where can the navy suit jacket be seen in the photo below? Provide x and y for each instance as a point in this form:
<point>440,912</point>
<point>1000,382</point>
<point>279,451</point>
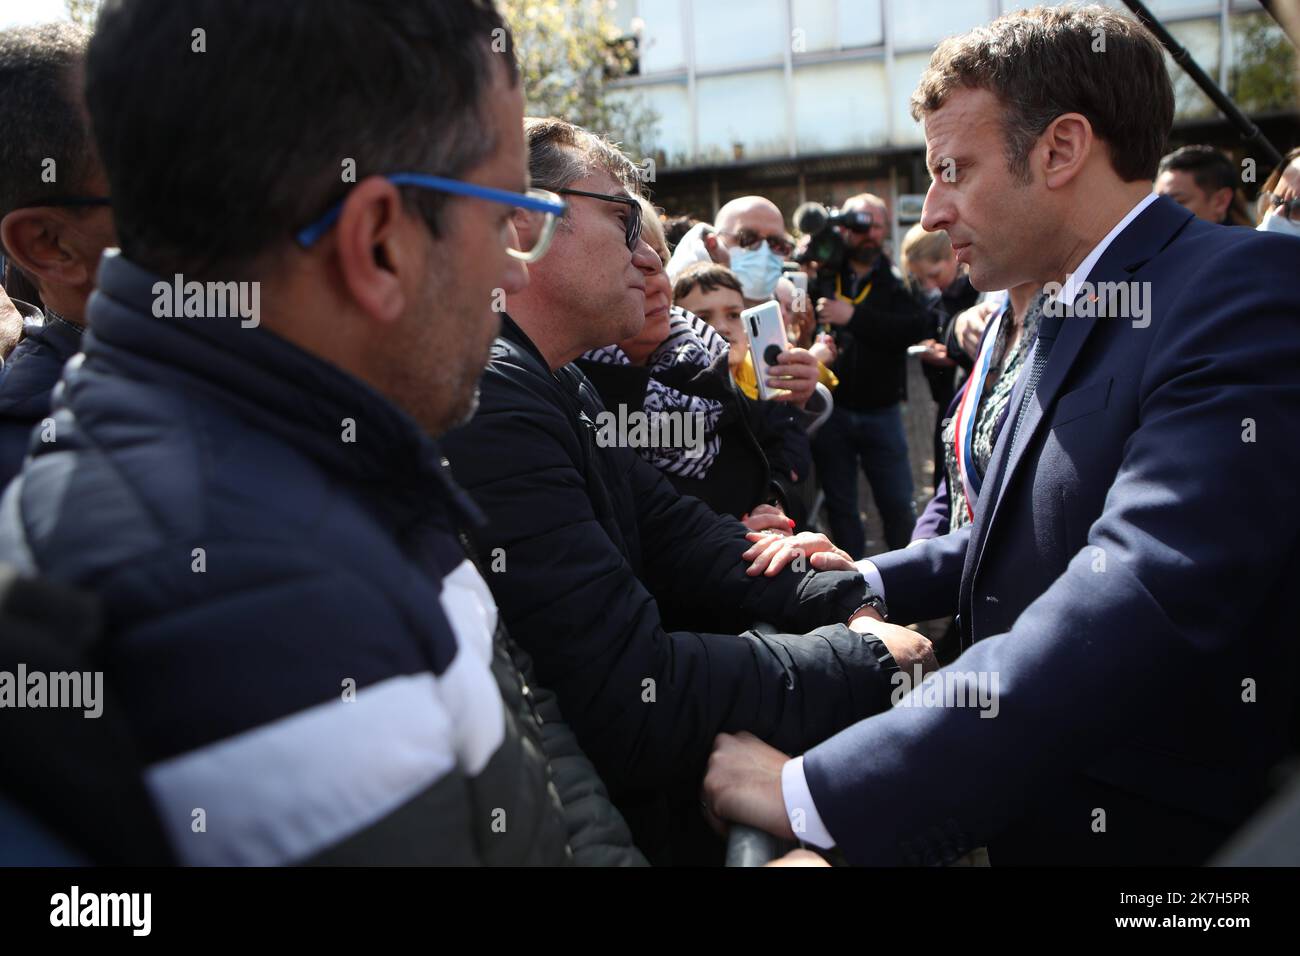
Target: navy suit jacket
<point>1127,580</point>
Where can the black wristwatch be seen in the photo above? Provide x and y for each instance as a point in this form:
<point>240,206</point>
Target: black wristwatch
<point>877,604</point>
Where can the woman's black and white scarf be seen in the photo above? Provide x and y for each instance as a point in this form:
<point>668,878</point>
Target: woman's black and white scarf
<point>690,342</point>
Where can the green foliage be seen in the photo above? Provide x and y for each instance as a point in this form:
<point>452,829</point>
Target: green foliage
<point>568,51</point>
<point>83,11</point>
<point>1263,75</point>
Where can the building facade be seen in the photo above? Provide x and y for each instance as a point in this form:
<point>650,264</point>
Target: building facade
<point>808,99</point>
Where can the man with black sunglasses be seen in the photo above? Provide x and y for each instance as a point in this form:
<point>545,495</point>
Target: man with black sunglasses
<point>749,237</point>
<point>631,597</point>
<point>752,232</point>
<point>54,219</point>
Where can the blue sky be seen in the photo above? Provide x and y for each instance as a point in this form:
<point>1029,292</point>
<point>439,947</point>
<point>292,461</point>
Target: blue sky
<point>31,11</point>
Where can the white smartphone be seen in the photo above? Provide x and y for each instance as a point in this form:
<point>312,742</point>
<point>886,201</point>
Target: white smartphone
<point>767,340</point>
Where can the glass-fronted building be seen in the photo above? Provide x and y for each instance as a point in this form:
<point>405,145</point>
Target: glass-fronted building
<point>808,99</point>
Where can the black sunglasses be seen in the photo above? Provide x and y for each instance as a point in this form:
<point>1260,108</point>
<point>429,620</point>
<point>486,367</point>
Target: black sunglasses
<point>748,238</point>
<point>1286,208</point>
<point>65,201</point>
<point>633,232</point>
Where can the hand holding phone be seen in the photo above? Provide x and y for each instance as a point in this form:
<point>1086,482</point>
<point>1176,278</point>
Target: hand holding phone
<point>767,340</point>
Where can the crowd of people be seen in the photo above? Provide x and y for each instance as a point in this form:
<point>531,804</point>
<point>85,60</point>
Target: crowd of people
<point>369,581</point>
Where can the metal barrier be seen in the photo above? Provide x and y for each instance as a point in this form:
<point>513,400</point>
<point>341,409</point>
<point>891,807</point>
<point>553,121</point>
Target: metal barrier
<point>747,846</point>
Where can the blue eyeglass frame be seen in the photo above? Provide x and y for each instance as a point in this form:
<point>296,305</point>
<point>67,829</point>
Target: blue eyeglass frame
<point>309,235</point>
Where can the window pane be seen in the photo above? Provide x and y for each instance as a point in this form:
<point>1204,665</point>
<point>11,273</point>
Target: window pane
<point>661,46</point>
<point>907,72</point>
<point>735,32</point>
<point>671,137</point>
<point>837,106</point>
<point>837,24</point>
<point>1009,5</point>
<point>860,23</point>
<point>622,12</point>
<point>1165,9</point>
<point>923,23</point>
<point>814,22</point>
<point>748,110</point>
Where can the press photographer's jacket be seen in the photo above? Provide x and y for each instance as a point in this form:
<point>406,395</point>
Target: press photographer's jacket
<point>872,364</point>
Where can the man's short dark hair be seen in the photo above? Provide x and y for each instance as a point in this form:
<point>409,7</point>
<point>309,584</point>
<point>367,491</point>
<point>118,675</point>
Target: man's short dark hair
<point>676,228</point>
<point>40,74</point>
<point>707,277</point>
<point>225,125</point>
<point>1210,169</point>
<point>1044,62</point>
<point>560,153</point>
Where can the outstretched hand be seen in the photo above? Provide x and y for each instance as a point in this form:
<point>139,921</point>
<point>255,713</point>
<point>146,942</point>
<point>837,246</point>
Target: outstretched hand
<point>770,554</point>
<point>769,519</point>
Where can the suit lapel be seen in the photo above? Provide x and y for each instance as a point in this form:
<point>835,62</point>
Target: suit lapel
<point>1143,238</point>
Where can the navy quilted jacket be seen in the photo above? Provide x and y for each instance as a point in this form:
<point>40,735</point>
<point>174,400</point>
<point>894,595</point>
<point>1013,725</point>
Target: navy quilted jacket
<point>313,668</point>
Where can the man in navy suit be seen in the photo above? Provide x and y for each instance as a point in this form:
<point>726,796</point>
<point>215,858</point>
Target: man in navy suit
<point>1125,589</point>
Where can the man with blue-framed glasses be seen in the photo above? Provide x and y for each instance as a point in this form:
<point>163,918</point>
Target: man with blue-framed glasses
<point>535,213</point>
<point>308,646</point>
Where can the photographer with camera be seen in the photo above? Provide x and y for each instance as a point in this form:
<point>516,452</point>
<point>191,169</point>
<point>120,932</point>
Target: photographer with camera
<point>874,318</point>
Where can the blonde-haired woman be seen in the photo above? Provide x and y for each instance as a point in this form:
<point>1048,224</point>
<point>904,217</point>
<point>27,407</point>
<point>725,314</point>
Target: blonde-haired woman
<point>934,274</point>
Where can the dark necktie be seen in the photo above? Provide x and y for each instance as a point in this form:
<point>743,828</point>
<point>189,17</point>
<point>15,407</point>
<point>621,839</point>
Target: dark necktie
<point>1049,326</point>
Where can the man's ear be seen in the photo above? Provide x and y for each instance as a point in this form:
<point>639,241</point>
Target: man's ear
<point>1220,202</point>
<point>524,233</point>
<point>374,241</point>
<point>1064,149</point>
<point>36,239</point>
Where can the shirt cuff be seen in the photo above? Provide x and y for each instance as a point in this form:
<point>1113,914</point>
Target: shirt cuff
<point>804,819</point>
<point>872,576</point>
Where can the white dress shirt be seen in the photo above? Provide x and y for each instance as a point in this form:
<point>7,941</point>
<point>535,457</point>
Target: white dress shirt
<point>799,807</point>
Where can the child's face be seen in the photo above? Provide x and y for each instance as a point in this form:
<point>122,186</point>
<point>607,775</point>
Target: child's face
<point>721,309</point>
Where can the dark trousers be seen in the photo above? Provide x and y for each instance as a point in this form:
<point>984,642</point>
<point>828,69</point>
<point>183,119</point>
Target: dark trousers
<point>875,441</point>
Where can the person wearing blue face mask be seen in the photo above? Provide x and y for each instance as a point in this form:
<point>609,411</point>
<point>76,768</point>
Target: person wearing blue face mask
<point>749,237</point>
<point>752,234</point>
<point>758,268</point>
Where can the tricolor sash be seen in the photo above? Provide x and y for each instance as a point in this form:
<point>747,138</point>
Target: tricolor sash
<point>964,421</point>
